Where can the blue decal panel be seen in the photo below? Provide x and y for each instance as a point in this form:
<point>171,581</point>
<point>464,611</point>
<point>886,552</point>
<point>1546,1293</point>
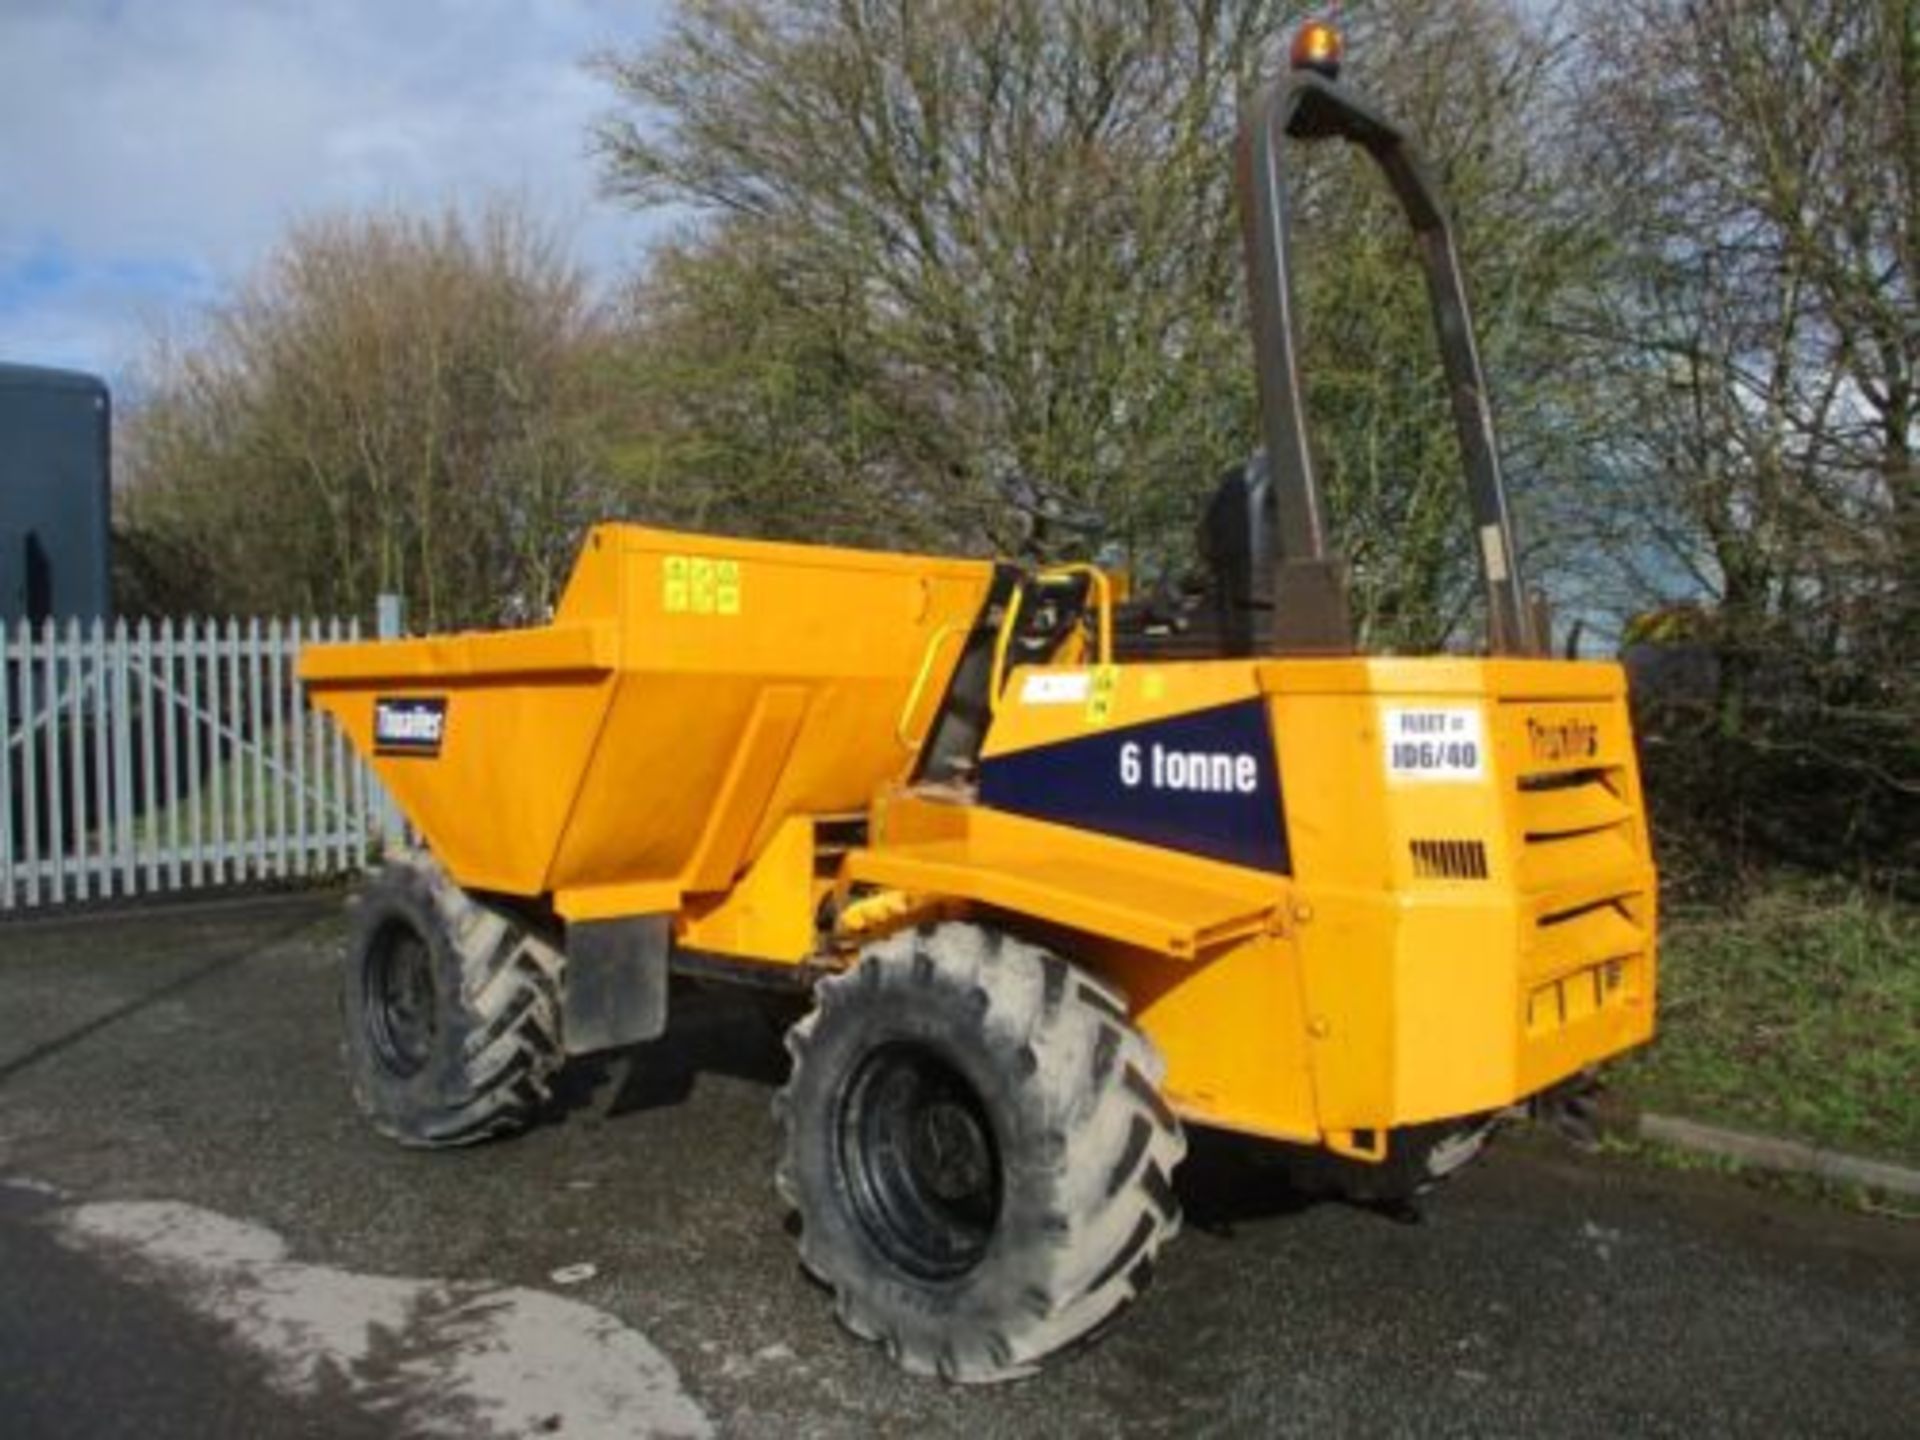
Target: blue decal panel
<point>1203,783</point>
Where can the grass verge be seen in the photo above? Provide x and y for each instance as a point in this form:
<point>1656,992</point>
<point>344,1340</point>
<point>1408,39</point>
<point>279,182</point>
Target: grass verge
<point>1858,1198</point>
<point>1797,1013</point>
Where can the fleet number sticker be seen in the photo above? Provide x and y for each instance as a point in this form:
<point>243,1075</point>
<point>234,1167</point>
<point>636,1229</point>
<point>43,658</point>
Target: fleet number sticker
<point>1443,743</point>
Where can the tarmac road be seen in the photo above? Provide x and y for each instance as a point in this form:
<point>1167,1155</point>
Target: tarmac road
<point>199,1237</point>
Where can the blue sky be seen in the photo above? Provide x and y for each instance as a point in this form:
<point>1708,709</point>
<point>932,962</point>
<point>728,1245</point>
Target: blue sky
<point>152,151</point>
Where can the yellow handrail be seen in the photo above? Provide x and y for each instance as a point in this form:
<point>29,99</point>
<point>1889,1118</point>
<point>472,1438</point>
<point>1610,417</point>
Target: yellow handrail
<point>1103,605</point>
<point>907,711</point>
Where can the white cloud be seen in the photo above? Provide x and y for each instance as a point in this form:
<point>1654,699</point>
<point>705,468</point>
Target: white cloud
<point>152,150</point>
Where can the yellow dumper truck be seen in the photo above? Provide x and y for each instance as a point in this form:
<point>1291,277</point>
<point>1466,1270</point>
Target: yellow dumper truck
<point>1055,892</point>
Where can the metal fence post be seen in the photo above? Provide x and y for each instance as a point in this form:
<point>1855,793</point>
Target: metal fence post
<point>390,624</point>
<point>137,758</point>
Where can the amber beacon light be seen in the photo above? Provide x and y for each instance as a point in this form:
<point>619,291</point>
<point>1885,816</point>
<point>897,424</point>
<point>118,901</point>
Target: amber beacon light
<point>1318,46</point>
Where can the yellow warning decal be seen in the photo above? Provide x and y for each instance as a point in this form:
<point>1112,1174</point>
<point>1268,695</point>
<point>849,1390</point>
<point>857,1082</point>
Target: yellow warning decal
<point>700,585</point>
<point>1106,679</point>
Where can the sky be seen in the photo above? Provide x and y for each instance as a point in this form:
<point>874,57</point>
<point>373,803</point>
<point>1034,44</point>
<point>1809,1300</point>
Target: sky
<point>153,151</point>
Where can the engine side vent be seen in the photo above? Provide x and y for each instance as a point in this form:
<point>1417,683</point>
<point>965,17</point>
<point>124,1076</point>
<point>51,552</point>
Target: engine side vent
<point>1449,859</point>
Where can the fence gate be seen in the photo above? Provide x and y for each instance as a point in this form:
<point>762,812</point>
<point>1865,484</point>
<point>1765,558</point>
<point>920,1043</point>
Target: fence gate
<point>176,756</point>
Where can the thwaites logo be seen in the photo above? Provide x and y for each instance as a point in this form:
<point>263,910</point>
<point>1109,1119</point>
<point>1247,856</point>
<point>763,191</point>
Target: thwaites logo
<point>1553,741</point>
<point>409,725</point>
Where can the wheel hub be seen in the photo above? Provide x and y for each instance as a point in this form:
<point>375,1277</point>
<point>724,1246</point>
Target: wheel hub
<point>918,1157</point>
<point>402,1016</point>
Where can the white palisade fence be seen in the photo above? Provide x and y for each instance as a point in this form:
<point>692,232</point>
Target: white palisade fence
<point>140,758</point>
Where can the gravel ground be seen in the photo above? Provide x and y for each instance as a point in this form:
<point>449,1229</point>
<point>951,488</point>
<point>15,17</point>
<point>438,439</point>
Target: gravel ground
<point>183,1181</point>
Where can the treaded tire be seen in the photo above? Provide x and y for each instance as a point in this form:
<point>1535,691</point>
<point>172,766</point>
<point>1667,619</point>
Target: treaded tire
<point>1085,1151</point>
<point>451,1010</point>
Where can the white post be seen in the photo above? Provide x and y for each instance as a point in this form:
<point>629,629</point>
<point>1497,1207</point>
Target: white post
<point>30,762</point>
<point>6,773</point>
<point>77,753</point>
<point>175,792</point>
<point>122,760</point>
<point>392,618</point>
<point>196,813</point>
<point>277,719</point>
<point>150,695</point>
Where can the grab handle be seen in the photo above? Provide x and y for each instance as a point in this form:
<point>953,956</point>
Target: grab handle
<point>907,711</point>
<point>1103,609</point>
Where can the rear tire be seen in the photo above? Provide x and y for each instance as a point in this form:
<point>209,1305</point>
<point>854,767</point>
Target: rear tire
<point>451,1010</point>
<point>975,1142</point>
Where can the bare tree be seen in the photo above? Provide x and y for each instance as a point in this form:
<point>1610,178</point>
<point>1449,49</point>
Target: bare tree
<point>390,404</point>
<point>1757,342</point>
<point>1021,214</point>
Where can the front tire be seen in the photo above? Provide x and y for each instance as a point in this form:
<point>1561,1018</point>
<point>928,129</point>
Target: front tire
<point>451,1011</point>
<point>975,1142</point>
